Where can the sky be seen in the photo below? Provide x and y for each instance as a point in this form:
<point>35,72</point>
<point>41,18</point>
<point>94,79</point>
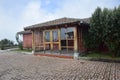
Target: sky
<point>17,14</point>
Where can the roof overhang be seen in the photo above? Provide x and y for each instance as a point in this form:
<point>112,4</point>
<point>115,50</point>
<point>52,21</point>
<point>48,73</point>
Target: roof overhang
<point>24,32</point>
<point>58,22</point>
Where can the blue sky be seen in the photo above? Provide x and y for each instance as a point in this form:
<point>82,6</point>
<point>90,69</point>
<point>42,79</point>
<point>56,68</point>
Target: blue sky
<point>17,14</point>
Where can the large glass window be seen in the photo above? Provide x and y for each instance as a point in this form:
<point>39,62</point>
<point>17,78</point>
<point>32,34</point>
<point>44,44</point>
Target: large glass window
<point>47,36</point>
<point>67,39</point>
<point>52,40</point>
<point>63,33</point>
<point>65,42</point>
<point>55,35</point>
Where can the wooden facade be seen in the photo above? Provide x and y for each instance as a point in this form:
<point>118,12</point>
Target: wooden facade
<point>59,36</point>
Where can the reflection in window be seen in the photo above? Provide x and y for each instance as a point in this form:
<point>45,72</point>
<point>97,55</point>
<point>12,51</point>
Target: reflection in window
<point>47,36</point>
<point>55,35</point>
<point>69,33</point>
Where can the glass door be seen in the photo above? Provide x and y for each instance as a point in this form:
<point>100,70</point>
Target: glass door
<point>52,40</point>
<point>47,41</point>
<point>67,40</point>
<point>56,40</point>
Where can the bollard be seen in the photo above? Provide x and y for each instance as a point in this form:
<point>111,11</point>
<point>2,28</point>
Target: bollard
<point>33,51</point>
<point>76,55</point>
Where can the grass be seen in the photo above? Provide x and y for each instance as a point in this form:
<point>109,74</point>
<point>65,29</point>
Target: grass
<point>24,50</point>
<point>96,55</point>
<point>99,55</point>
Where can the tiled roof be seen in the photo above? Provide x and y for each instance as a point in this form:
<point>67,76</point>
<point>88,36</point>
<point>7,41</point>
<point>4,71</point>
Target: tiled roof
<point>58,22</point>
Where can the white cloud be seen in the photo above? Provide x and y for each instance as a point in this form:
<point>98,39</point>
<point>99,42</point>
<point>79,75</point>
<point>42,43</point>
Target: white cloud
<point>33,13</point>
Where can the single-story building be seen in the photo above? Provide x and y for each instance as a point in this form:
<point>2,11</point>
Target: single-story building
<point>61,36</point>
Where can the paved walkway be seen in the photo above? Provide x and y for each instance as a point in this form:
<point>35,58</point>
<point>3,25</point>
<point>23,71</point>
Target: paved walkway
<point>18,66</point>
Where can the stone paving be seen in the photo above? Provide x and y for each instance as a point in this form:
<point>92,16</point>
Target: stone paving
<point>19,66</point>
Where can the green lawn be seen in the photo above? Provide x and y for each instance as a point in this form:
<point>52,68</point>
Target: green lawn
<point>24,50</point>
<point>100,56</point>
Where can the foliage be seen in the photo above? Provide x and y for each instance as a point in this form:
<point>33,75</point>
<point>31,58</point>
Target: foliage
<point>91,38</point>
<point>20,45</point>
<point>105,28</point>
<point>112,39</point>
<point>6,43</point>
<point>95,29</point>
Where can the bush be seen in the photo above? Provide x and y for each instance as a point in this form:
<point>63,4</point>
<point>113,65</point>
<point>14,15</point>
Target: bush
<point>20,45</point>
<point>2,47</point>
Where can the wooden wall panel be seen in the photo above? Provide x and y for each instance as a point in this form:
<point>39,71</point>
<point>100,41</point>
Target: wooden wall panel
<point>81,47</point>
<point>27,40</point>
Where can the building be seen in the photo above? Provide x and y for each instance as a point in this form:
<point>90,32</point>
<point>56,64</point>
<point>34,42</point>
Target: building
<point>61,36</point>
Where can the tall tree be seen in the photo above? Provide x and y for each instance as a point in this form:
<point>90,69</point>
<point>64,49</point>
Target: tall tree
<point>95,28</point>
<point>105,28</point>
<point>113,31</point>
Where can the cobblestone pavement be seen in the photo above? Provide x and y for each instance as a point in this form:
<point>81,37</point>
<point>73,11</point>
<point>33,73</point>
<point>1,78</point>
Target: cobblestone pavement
<point>17,66</point>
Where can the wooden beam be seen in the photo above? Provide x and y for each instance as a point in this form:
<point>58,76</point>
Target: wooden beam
<point>59,37</point>
<point>51,39</point>
<point>44,40</point>
<point>75,40</point>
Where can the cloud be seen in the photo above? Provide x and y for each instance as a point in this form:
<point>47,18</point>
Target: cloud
<point>33,13</point>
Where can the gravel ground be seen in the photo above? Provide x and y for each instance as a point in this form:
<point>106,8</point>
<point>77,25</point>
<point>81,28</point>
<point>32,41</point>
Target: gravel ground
<point>19,66</point>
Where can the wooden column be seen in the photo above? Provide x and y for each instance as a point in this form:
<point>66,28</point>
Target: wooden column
<point>33,40</point>
<point>44,40</point>
<point>75,40</point>
<point>59,39</point>
<point>51,38</point>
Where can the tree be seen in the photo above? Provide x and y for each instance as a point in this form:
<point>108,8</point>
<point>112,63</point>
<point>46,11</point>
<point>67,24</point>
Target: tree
<point>95,29</point>
<point>105,28</point>
<point>113,31</point>
<point>20,45</point>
